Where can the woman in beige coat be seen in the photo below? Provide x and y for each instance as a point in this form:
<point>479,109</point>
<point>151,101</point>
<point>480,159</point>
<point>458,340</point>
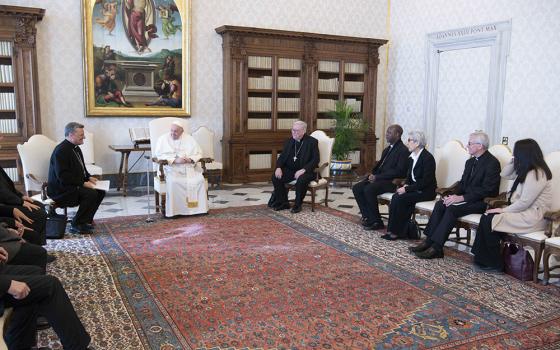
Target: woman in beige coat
<point>529,198</point>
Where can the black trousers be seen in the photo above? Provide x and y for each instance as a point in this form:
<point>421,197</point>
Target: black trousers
<point>487,244</point>
<point>402,208</point>
<point>280,191</point>
<point>88,201</point>
<point>444,219</point>
<point>48,298</point>
<point>366,193</point>
<point>30,254</point>
<point>39,217</point>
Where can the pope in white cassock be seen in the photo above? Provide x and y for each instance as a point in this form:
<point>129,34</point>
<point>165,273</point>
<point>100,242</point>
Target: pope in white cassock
<point>186,187</point>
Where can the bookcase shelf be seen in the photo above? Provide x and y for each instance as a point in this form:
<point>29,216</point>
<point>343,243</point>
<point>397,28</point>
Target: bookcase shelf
<point>302,75</point>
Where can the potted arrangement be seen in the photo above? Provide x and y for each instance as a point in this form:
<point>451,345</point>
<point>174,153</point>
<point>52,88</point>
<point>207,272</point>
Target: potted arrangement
<point>349,126</point>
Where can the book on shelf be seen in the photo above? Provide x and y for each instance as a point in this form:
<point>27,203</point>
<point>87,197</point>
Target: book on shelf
<point>259,104</point>
<point>7,101</point>
<point>326,124</point>
<point>6,74</point>
<point>328,85</point>
<point>354,68</point>
<point>288,83</point>
<point>355,104</point>
<point>5,48</point>
<point>259,124</point>
<point>288,104</point>
<point>263,82</point>
<point>354,86</point>
<point>139,135</point>
<point>8,126</point>
<point>325,105</point>
<point>285,123</point>
<point>259,62</point>
<point>329,66</point>
<point>289,64</point>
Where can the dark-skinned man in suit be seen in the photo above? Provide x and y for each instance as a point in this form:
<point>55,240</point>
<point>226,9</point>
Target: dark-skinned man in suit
<point>393,164</point>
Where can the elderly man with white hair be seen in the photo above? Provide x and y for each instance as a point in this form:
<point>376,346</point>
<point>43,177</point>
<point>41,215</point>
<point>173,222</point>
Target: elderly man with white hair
<point>185,184</point>
<point>299,158</point>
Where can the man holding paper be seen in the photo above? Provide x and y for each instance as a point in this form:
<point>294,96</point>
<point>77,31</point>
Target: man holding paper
<point>69,182</point>
<point>185,185</point>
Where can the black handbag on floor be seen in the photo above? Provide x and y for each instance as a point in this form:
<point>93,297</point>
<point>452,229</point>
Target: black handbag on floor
<point>412,229</point>
<point>518,262</point>
<point>56,226</point>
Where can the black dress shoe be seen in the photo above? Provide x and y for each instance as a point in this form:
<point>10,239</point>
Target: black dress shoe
<point>375,226</point>
<point>430,253</point>
<point>50,258</point>
<point>42,323</point>
<point>77,229</point>
<point>282,206</point>
<point>488,269</point>
<point>390,237</point>
<point>296,209</point>
<point>421,247</point>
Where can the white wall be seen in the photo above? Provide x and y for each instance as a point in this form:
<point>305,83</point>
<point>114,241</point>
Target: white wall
<point>532,94</point>
<point>59,45</point>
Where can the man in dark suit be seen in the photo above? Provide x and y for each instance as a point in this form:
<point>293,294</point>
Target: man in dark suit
<point>69,182</point>
<point>392,165</point>
<point>481,178</point>
<point>299,158</point>
<point>29,292</point>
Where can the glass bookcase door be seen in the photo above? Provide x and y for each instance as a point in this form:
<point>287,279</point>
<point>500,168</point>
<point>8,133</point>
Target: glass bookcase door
<point>328,92</point>
<point>8,115</point>
<point>259,93</point>
<point>288,92</point>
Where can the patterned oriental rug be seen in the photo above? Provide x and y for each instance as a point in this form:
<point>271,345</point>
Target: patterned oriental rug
<point>252,278</point>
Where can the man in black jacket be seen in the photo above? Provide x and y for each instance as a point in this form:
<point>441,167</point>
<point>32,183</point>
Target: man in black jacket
<point>392,165</point>
<point>29,292</point>
<point>481,178</point>
<point>299,158</point>
<point>69,182</point>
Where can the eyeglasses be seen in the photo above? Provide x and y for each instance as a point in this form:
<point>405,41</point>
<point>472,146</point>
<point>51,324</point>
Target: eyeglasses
<point>473,143</point>
<point>412,140</point>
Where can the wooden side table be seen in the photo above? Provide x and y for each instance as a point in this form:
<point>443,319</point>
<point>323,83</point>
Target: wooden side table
<point>125,151</point>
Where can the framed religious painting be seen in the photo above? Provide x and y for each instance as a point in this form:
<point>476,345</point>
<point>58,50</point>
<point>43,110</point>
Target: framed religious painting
<point>136,57</point>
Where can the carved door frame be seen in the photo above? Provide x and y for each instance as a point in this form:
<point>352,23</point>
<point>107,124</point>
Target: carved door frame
<point>494,35</point>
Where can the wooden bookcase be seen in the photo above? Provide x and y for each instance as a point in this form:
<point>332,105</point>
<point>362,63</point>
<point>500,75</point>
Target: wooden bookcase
<point>273,77</point>
<point>19,99</point>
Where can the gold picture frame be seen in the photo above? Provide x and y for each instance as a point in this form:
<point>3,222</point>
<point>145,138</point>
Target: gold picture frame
<point>136,57</point>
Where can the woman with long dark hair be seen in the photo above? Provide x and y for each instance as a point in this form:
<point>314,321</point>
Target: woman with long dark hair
<point>529,198</point>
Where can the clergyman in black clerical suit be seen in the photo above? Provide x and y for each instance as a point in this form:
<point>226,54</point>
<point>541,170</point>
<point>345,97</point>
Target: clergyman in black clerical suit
<point>299,158</point>
<point>481,178</point>
<point>69,182</point>
<point>392,165</point>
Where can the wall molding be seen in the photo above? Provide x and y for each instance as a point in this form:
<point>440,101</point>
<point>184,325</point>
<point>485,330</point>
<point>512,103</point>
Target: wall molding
<point>494,35</point>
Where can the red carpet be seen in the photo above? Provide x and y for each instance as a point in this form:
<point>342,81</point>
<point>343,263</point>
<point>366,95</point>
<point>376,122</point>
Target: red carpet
<point>253,278</point>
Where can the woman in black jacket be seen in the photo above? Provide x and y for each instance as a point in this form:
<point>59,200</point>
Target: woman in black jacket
<point>420,185</point>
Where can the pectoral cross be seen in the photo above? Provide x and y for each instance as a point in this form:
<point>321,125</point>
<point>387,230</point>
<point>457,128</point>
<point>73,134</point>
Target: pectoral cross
<point>295,158</point>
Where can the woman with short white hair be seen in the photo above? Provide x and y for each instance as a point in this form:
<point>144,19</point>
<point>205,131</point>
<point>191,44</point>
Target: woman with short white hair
<point>420,185</point>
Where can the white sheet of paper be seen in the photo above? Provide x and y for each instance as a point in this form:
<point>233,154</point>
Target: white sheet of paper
<point>102,185</point>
